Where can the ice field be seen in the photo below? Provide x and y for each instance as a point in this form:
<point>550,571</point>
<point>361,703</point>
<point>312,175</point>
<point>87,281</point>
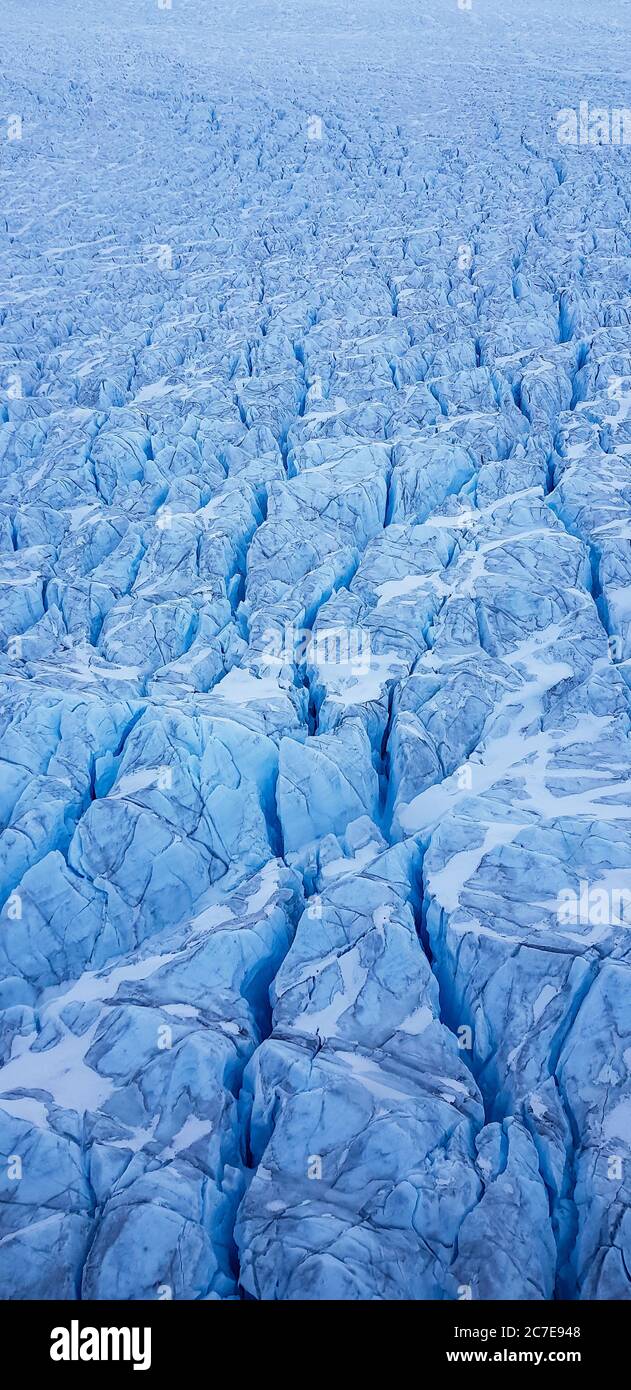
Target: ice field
<point>315,649</point>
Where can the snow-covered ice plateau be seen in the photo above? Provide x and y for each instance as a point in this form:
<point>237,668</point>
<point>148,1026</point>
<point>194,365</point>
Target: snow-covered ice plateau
<point>315,649</point>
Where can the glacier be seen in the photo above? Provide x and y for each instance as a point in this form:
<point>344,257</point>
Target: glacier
<point>315,652</point>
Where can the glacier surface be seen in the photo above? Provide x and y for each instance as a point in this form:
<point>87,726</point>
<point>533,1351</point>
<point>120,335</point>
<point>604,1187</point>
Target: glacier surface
<point>315,652</point>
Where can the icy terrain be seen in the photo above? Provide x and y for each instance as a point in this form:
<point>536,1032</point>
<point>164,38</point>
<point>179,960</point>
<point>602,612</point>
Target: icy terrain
<point>315,651</point>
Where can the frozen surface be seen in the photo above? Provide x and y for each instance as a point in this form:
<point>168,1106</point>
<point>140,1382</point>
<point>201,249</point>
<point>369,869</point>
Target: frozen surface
<point>315,652</point>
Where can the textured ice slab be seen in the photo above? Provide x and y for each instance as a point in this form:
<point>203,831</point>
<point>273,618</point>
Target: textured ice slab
<point>366,1125</point>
